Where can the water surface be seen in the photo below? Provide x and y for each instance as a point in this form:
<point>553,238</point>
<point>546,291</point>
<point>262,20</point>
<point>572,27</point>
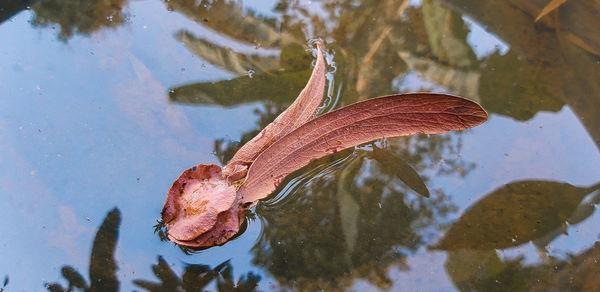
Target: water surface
<point>104,103</point>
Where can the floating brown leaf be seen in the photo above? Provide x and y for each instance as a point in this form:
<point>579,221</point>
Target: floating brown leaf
<point>389,116</point>
<point>293,117</point>
<point>205,205</point>
<point>195,200</point>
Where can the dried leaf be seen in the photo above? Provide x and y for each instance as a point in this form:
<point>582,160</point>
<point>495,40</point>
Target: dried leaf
<point>195,200</point>
<point>225,227</point>
<point>396,115</point>
<point>296,115</point>
<point>549,8</point>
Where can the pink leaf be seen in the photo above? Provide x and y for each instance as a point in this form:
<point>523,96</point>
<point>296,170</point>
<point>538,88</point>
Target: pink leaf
<point>195,200</point>
<point>226,226</point>
<point>396,115</point>
<point>293,117</point>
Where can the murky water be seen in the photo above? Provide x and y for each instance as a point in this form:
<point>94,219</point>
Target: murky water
<point>104,103</point>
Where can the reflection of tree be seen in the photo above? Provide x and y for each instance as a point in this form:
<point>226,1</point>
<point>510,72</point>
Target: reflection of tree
<point>197,278</point>
<point>561,51</point>
<point>103,269</point>
<point>78,16</point>
<point>4,284</point>
<point>9,8</point>
<point>517,213</point>
<point>513,215</point>
<point>353,220</point>
<point>472,270</point>
<point>227,18</point>
<point>103,266</point>
<point>279,85</point>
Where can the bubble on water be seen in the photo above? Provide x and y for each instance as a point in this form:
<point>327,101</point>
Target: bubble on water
<point>251,73</point>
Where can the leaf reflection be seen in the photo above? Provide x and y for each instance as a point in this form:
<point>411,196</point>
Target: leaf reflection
<point>103,267</point>
<point>273,86</point>
<point>515,214</point>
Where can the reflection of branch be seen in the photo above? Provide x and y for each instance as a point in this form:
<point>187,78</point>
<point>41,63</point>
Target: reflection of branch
<point>278,85</point>
<point>103,266</point>
<point>462,82</point>
<point>447,35</point>
<point>227,18</point>
<point>225,58</point>
<point>196,278</point>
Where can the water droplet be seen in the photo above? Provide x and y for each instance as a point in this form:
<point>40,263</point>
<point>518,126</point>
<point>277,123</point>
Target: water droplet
<point>251,73</point>
<point>109,18</point>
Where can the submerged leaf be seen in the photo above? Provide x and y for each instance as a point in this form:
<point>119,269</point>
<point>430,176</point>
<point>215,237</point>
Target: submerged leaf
<point>296,115</point>
<point>396,115</point>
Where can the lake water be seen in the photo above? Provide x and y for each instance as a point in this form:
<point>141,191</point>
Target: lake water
<point>104,103</point>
